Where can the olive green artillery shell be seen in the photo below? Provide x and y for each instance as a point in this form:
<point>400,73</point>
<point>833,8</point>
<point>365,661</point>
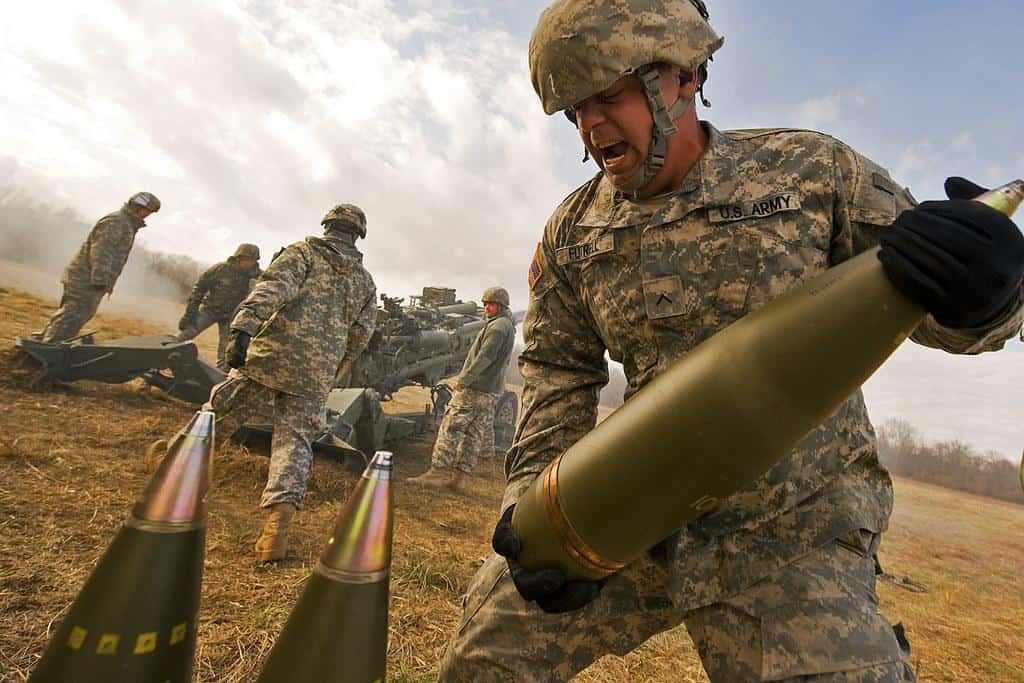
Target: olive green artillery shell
<point>738,403</point>
<point>136,617</point>
<point>349,623</point>
<point>338,630</point>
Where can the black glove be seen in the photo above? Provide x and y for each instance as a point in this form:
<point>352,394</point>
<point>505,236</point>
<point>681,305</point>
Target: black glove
<point>549,588</point>
<point>188,320</point>
<point>238,345</point>
<point>960,260</point>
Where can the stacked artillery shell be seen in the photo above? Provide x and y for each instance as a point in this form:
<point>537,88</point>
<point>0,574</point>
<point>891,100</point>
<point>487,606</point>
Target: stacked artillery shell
<point>718,418</point>
<point>135,618</point>
<point>338,630</point>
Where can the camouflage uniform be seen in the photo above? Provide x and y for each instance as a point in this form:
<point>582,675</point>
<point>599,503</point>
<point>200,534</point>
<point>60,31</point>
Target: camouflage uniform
<point>778,582</point>
<point>467,429</point>
<point>214,298</point>
<point>311,311</point>
<point>93,272</point>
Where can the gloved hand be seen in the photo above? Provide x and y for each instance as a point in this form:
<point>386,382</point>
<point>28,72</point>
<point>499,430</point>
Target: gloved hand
<point>188,320</point>
<point>237,347</point>
<point>549,588</point>
<point>960,260</point>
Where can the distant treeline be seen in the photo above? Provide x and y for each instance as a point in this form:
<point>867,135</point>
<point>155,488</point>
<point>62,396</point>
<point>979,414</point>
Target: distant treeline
<point>952,464</point>
<point>35,233</point>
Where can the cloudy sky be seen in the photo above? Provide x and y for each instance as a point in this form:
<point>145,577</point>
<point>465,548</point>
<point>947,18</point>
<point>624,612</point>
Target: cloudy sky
<point>250,118</point>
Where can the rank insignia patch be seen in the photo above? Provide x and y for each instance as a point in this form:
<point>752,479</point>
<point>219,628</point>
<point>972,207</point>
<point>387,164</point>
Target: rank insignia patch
<point>535,268</point>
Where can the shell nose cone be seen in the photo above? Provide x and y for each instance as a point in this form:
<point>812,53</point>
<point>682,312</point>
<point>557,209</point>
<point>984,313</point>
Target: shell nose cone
<point>178,490</point>
<point>361,542</point>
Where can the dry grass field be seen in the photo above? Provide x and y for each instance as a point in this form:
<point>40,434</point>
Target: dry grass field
<point>71,465</point>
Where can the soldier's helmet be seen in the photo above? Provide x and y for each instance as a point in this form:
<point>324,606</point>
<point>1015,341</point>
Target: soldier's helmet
<point>497,295</point>
<point>145,200</point>
<point>247,251</point>
<point>581,47</point>
<point>345,216</point>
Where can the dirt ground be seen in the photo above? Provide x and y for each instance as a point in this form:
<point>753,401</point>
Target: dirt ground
<point>71,466</point>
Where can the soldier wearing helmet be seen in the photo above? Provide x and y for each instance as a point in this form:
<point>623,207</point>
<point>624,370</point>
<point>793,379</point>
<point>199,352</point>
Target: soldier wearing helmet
<point>467,429</point>
<point>684,230</point>
<point>216,295</point>
<point>307,318</point>
<point>97,265</point>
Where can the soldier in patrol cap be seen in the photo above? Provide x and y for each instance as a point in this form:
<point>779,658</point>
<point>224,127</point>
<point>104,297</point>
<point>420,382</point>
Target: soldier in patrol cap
<point>685,229</point>
<point>216,295</point>
<point>467,429</point>
<point>97,265</point>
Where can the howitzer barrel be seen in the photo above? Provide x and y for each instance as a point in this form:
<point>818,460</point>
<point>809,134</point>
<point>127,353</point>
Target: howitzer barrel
<point>465,308</point>
<point>718,418</point>
<point>432,340</point>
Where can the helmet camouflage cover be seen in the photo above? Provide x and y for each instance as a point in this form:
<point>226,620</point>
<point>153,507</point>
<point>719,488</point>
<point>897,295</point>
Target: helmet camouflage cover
<point>497,295</point>
<point>581,47</point>
<point>349,215</point>
<point>247,251</point>
<point>145,200</point>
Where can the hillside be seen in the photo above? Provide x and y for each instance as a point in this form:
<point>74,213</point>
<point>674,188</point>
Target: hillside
<point>71,465</point>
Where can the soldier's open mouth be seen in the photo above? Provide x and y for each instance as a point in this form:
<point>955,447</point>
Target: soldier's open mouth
<point>613,151</point>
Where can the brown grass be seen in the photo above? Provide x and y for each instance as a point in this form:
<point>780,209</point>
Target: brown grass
<point>70,467</point>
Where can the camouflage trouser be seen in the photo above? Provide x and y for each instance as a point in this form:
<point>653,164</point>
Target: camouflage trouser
<point>204,320</point>
<point>467,430</point>
<point>77,306</point>
<point>297,420</point>
<point>814,620</point>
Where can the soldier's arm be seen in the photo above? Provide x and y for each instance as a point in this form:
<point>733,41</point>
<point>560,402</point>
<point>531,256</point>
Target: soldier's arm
<point>563,370</point>
<point>200,289</point>
<point>491,346</point>
<point>868,201</point>
<point>360,332</point>
<point>279,284</point>
<point>111,241</point>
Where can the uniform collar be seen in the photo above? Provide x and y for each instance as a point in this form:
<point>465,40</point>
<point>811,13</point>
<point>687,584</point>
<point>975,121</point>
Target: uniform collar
<point>612,209</point>
<point>133,217</point>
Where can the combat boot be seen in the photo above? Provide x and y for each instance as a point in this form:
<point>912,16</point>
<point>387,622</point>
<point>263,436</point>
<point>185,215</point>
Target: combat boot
<point>273,542</point>
<point>155,454</point>
<point>436,477</point>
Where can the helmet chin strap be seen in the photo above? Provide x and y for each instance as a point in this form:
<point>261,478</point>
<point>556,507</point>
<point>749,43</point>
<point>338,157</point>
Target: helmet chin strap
<point>663,128</point>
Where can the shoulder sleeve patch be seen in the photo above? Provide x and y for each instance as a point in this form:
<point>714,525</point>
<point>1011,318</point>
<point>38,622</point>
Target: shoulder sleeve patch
<point>535,268</point>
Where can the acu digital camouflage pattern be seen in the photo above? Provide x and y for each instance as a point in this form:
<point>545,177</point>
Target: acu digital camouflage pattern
<point>466,432</point>
<point>467,429</point>
<point>297,420</point>
<point>93,272</point>
<point>760,211</point>
<point>311,311</point>
<point>220,289</point>
<point>488,355</point>
<point>812,621</point>
<point>213,300</point>
<point>581,47</point>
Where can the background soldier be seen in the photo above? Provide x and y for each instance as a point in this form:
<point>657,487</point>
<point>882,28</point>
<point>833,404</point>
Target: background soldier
<point>467,429</point>
<point>311,312</point>
<point>685,230</point>
<point>217,294</point>
<point>97,265</point>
